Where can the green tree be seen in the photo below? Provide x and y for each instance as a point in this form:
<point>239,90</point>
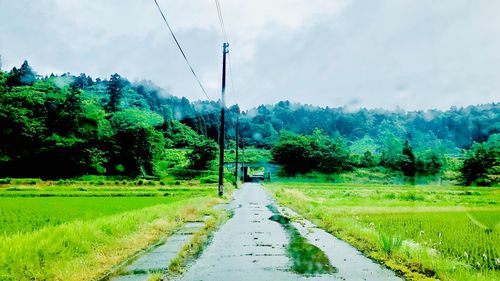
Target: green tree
<point>114,88</point>
<point>367,160</point>
<point>24,76</point>
<point>137,145</point>
<point>182,136</point>
<point>482,163</point>
<point>429,163</point>
<point>407,160</point>
<point>202,155</point>
<point>293,152</point>
<point>329,155</point>
<point>390,152</point>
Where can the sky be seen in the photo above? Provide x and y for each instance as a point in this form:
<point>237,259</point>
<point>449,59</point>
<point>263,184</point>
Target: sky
<point>409,54</point>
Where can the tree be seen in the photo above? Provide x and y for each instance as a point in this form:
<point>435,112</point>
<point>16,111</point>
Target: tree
<point>24,76</point>
<point>407,160</point>
<point>367,160</point>
<point>136,146</point>
<point>293,153</point>
<point>329,155</point>
<point>182,136</point>
<point>482,163</point>
<point>202,155</point>
<point>114,88</point>
<point>391,152</point>
<point>428,163</point>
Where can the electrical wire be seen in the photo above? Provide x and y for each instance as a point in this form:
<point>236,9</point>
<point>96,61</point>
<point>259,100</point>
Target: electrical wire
<point>224,34</point>
<point>221,20</point>
<point>180,49</point>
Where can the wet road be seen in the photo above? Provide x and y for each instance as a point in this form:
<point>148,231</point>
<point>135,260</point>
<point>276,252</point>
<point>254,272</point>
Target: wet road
<point>252,247</point>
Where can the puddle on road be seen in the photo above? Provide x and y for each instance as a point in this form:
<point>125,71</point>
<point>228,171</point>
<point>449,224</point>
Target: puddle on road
<point>307,259</point>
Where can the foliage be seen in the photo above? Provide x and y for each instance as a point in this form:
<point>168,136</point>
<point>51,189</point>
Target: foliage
<point>482,163</point>
<point>367,160</point>
<point>82,126</point>
<point>429,163</point>
<point>299,154</point>
<point>181,135</point>
<point>67,126</point>
<point>407,160</point>
<point>202,155</point>
<point>294,153</point>
<point>24,76</point>
<point>248,155</point>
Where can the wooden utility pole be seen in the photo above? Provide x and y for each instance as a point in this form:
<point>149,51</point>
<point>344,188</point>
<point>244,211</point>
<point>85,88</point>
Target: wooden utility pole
<point>237,146</point>
<point>225,50</point>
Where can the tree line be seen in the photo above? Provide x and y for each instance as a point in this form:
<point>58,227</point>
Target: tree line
<point>318,152</point>
<point>67,125</point>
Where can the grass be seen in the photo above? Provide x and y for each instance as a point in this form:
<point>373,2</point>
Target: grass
<point>423,232</point>
<point>79,231</point>
<point>249,155</point>
<point>27,214</point>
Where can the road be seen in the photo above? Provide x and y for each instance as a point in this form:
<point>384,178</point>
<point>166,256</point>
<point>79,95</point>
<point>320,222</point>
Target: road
<point>250,246</point>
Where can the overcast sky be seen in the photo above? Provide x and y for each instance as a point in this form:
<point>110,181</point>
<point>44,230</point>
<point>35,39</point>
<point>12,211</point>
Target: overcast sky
<point>415,54</point>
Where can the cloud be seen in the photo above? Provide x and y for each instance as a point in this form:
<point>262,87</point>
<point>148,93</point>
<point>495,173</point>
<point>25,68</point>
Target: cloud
<point>406,53</point>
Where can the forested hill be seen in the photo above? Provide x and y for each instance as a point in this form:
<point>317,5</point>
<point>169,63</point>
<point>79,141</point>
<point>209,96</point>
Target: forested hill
<point>92,120</point>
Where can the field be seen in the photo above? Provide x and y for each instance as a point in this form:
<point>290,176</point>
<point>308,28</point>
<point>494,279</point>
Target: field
<point>422,232</point>
<point>78,231</point>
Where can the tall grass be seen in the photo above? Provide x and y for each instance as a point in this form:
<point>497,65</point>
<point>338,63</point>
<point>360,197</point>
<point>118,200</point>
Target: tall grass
<point>390,243</point>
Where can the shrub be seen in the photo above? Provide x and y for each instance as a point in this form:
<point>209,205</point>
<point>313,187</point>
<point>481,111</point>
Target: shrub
<point>202,155</point>
<point>5,181</point>
<point>482,163</point>
<point>209,179</point>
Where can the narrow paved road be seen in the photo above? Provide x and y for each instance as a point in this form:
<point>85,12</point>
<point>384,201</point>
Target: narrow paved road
<point>252,247</point>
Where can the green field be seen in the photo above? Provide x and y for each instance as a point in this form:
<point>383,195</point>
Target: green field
<point>77,232</point>
<point>423,232</point>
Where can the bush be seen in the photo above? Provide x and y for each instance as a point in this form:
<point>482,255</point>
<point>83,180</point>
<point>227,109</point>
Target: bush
<point>299,154</point>
<point>5,181</point>
<point>202,155</point>
<point>482,163</point>
<point>210,179</point>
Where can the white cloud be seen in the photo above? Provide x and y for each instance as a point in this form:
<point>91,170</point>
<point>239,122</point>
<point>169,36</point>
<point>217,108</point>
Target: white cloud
<point>408,53</point>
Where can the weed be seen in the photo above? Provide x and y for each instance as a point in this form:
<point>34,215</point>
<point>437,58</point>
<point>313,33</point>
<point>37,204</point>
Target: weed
<point>390,243</point>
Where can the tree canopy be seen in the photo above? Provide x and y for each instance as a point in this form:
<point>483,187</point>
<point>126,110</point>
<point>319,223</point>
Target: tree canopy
<point>82,125</point>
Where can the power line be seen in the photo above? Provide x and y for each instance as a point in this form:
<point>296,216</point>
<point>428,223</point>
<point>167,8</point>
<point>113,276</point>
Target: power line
<point>221,20</point>
<point>224,34</point>
<point>182,51</point>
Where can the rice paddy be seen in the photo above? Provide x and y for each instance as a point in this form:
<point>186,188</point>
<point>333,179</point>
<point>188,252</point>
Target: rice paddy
<point>422,232</point>
<point>78,232</point>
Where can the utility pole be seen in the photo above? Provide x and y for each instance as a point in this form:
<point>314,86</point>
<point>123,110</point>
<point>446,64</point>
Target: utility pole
<point>237,146</point>
<point>225,50</point>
